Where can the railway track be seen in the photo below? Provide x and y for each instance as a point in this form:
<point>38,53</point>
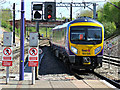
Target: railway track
<point>94,75</point>
<point>90,75</point>
<point>84,75</point>
<point>51,74</point>
<point>114,83</point>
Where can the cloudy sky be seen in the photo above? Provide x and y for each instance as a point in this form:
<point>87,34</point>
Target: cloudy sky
<point>60,12</point>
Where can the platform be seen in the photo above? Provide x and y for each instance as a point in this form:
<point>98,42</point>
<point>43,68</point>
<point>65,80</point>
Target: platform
<point>73,84</point>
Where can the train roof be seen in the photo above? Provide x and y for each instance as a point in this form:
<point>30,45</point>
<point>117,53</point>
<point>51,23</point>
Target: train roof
<point>61,26</point>
<point>85,19</point>
<point>80,19</point>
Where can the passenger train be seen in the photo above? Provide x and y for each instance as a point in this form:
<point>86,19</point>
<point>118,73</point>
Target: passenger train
<point>79,43</point>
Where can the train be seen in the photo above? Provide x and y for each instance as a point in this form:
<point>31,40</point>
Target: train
<point>79,43</point>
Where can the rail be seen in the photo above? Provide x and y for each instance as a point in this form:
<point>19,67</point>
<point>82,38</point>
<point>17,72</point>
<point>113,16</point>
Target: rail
<point>110,70</point>
<point>16,51</point>
<point>116,84</point>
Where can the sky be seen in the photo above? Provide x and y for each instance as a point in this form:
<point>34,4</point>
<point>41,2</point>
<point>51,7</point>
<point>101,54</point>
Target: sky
<point>60,12</point>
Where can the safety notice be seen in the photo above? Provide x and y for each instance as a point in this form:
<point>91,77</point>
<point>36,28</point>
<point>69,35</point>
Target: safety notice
<point>7,56</point>
<point>33,57</point>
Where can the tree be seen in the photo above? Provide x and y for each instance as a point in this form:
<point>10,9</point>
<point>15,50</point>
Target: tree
<point>110,28</point>
<point>5,16</point>
<point>109,15</point>
<point>86,13</point>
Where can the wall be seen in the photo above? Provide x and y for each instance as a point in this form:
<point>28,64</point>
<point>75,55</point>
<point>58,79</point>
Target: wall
<point>115,50</point>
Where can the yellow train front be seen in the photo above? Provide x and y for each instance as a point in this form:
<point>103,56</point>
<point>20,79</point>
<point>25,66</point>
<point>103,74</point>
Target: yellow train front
<point>80,41</point>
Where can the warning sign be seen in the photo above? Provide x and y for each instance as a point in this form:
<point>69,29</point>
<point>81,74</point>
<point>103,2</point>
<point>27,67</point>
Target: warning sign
<point>33,51</point>
<point>6,63</point>
<point>7,51</point>
<point>7,56</point>
<point>33,63</point>
<point>33,57</point>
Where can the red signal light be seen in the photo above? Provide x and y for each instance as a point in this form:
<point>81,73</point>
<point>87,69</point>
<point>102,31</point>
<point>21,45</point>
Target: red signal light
<point>49,16</point>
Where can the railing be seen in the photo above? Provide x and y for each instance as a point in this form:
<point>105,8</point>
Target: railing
<point>111,60</point>
<point>112,56</point>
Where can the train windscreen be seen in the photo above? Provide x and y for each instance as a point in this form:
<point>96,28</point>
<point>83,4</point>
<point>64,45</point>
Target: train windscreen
<point>86,35</point>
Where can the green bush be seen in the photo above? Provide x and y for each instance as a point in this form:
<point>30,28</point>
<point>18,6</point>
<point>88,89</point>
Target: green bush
<point>110,28</point>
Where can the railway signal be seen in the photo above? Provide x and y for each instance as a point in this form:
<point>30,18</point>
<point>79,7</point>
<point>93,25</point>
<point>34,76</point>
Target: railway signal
<point>37,8</point>
<point>50,11</point>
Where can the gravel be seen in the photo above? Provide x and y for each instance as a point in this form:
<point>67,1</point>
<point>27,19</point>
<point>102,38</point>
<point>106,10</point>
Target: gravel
<point>52,69</point>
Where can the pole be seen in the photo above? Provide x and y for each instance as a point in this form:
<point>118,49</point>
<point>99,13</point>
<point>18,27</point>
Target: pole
<point>1,16</point>
<point>46,31</point>
<point>37,26</point>
<point>94,10</point>
<point>13,23</point>
<point>22,43</point>
<point>71,12</point>
<point>37,30</point>
<point>27,31</point>
<point>33,75</point>
<point>7,75</point>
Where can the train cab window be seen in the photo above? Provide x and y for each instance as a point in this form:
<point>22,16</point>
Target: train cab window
<point>77,36</point>
<point>94,34</point>
<point>77,33</point>
<point>86,35</point>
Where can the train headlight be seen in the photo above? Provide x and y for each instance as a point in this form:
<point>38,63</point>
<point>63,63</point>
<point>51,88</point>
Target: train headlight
<point>74,49</point>
<point>97,50</point>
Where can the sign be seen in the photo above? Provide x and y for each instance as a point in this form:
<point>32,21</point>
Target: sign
<point>40,51</point>
<point>110,45</point>
<point>33,51</point>
<point>7,56</point>
<point>7,51</point>
<point>33,57</point>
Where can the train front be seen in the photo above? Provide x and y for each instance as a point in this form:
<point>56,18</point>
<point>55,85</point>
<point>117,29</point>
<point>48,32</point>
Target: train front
<point>86,44</point>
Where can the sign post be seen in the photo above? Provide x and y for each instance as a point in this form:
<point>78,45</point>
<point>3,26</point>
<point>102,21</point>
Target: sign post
<point>7,60</point>
<point>33,53</point>
<point>7,75</point>
<point>7,52</point>
<point>33,61</point>
<point>109,47</point>
<point>33,75</point>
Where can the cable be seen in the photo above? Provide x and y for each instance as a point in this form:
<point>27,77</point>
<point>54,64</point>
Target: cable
<point>114,5</point>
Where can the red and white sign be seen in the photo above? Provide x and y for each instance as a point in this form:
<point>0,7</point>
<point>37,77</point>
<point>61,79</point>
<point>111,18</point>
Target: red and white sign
<point>32,63</point>
<point>7,56</point>
<point>33,57</point>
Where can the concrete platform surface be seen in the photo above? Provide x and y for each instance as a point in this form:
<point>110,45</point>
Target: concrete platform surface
<point>71,85</point>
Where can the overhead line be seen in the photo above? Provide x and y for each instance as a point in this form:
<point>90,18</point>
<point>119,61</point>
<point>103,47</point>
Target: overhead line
<point>114,5</point>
